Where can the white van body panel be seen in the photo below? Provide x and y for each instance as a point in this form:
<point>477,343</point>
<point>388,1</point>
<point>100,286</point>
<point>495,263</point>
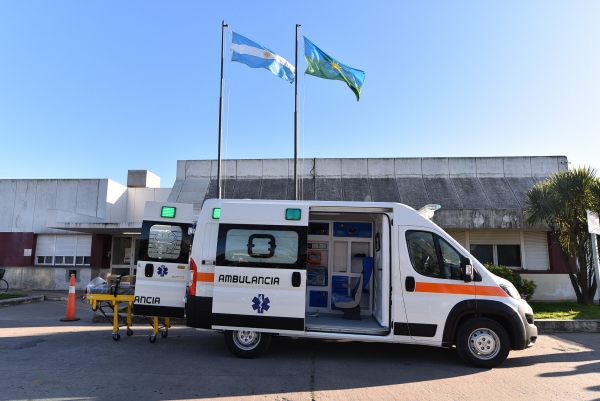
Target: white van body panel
<point>403,316</point>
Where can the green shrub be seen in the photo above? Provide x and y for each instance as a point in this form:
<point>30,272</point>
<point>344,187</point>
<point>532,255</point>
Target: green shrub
<point>525,287</point>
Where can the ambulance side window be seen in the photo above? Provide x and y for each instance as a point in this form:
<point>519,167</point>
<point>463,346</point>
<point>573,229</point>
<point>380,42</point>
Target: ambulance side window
<point>164,242</point>
<point>249,245</point>
<point>421,248</point>
<point>432,256</point>
<point>450,261</point>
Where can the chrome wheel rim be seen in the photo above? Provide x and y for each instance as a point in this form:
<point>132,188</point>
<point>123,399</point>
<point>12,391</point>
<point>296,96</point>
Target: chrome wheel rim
<point>484,344</point>
<point>246,340</point>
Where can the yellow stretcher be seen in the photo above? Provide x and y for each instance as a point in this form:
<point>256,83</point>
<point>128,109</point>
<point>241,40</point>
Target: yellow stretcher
<point>100,301</point>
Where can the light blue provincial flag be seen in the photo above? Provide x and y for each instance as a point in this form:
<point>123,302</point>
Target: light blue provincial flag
<point>256,56</point>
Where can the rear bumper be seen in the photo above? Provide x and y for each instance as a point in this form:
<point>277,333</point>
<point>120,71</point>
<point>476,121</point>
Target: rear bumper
<point>198,312</point>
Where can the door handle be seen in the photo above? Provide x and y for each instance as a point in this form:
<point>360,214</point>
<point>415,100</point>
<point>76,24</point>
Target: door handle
<point>296,279</point>
<point>149,270</point>
<point>409,284</point>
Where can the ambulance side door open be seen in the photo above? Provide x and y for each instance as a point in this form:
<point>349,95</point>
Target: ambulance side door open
<point>163,262</point>
<point>260,268</point>
<point>432,282</point>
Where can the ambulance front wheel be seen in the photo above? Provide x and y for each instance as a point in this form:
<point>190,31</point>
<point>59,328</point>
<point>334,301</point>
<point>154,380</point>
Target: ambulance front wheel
<point>483,342</point>
<point>247,344</point>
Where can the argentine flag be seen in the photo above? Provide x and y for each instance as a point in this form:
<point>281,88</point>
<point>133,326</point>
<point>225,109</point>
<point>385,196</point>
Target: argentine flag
<point>256,56</point>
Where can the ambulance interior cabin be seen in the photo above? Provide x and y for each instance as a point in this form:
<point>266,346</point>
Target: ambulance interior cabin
<point>345,249</point>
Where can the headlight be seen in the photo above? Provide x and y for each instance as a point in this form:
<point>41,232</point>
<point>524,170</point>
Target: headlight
<point>511,291</point>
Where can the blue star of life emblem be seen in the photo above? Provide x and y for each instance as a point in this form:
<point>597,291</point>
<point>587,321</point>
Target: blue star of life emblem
<point>260,303</point>
<point>162,270</point>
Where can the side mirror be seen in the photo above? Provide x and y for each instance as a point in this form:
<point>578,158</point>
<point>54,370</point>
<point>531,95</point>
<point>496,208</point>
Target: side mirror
<point>467,270</point>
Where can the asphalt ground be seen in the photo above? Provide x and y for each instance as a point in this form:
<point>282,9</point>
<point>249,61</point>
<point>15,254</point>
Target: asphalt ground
<point>45,359</point>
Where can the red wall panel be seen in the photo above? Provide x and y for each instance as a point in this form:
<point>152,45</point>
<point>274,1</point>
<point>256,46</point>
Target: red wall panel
<point>12,246</point>
<point>557,265</point>
<point>101,244</point>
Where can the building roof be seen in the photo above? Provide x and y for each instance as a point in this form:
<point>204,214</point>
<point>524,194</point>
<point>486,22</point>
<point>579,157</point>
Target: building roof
<point>482,192</point>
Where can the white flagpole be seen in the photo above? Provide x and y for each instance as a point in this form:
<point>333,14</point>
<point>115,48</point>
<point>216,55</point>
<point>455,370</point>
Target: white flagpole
<point>296,121</point>
<point>224,25</point>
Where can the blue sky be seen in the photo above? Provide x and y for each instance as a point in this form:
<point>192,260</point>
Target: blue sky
<point>93,89</point>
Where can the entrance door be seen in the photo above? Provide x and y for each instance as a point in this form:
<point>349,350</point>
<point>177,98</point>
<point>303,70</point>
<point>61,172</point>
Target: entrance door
<point>260,275</point>
<point>432,282</point>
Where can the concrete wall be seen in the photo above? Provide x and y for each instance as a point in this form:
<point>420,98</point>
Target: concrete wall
<point>125,204</point>
<point>50,278</point>
<point>24,203</point>
<point>552,287</point>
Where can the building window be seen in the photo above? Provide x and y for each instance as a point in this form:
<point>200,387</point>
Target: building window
<point>63,250</point>
<point>505,255</point>
<point>483,253</point>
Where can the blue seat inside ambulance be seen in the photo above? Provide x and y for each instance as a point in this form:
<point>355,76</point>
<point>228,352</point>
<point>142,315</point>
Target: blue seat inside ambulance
<point>367,263</point>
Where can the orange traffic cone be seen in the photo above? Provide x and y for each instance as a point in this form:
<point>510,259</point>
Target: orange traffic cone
<point>70,317</point>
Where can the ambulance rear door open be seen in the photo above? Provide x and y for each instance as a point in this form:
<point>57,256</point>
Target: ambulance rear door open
<point>163,262</point>
<point>260,267</point>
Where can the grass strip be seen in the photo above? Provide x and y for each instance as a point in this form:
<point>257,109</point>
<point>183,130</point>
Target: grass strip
<point>10,296</point>
<point>564,310</point>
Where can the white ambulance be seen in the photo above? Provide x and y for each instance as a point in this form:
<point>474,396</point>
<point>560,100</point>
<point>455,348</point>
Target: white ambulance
<point>344,270</point>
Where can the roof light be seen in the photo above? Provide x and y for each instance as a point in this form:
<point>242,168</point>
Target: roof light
<point>293,214</point>
<point>167,212</point>
<point>217,213</point>
<point>429,210</point>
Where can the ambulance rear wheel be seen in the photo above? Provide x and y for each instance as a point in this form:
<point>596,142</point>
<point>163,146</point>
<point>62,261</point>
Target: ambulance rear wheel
<point>247,344</point>
<point>483,342</point>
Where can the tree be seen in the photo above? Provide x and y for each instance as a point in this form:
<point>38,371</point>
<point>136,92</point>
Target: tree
<point>561,201</point>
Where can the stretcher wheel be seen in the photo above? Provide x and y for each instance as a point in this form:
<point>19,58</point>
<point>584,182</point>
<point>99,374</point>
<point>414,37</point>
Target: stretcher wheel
<point>164,334</point>
<point>152,338</point>
<point>129,332</point>
<point>116,336</point>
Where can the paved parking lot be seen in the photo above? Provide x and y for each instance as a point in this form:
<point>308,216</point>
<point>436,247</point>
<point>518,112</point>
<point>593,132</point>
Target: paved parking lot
<point>43,358</point>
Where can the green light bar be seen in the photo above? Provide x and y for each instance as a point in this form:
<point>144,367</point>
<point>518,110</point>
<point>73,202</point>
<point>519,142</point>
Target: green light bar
<point>167,212</point>
<point>293,214</point>
<point>216,213</point>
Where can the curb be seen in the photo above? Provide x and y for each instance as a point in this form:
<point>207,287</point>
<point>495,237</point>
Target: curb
<point>99,318</point>
<point>568,326</point>
<point>22,300</point>
<point>56,298</point>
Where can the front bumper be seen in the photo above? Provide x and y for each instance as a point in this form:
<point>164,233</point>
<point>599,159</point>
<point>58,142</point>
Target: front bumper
<point>531,331</point>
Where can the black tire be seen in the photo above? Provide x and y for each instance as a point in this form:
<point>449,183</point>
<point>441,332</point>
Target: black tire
<point>247,344</point>
<point>116,336</point>
<point>164,334</point>
<point>129,332</point>
<point>152,338</point>
<point>482,342</point>
<point>3,286</point>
